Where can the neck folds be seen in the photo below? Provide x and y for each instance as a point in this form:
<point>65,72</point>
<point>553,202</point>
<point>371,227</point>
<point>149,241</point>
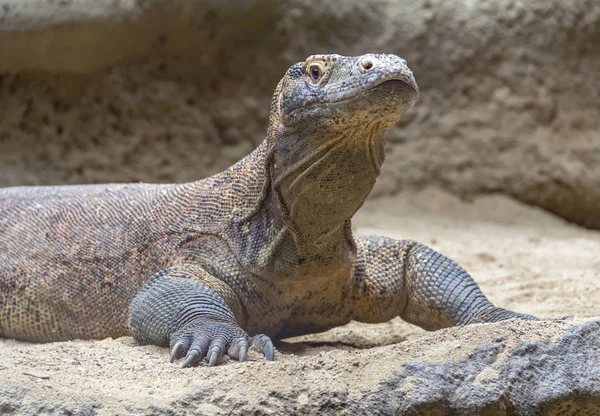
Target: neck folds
<point>322,176</point>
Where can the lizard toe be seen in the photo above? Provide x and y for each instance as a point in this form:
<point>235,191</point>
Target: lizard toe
<point>215,355</point>
<point>178,350</point>
<point>192,357</point>
<point>216,349</point>
<point>197,351</point>
<point>263,344</point>
<point>238,349</point>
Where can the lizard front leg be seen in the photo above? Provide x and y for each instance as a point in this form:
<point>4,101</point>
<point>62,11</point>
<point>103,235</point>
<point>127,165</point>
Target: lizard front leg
<point>407,279</point>
<point>194,313</point>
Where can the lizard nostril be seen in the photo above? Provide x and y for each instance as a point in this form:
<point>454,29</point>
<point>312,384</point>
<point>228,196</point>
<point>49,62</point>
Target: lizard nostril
<point>367,65</point>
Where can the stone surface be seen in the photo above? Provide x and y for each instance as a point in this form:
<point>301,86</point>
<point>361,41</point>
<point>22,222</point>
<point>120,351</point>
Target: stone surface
<point>157,91</point>
<point>556,377</point>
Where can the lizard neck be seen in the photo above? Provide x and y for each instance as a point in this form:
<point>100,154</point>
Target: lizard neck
<point>321,175</point>
<point>316,179</point>
<point>286,208</point>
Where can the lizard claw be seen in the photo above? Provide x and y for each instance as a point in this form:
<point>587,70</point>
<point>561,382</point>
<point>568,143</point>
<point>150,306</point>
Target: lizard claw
<point>269,351</point>
<point>212,338</point>
<point>191,358</point>
<point>239,349</point>
<point>263,343</point>
<point>242,354</point>
<point>215,355</point>
<point>177,351</point>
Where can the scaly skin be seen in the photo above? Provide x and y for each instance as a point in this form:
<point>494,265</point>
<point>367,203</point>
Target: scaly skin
<point>264,249</point>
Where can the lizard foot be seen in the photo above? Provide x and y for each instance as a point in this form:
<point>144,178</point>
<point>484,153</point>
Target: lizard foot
<point>213,338</point>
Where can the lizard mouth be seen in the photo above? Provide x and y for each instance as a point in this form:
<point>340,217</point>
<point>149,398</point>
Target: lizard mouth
<point>399,86</point>
<point>398,83</point>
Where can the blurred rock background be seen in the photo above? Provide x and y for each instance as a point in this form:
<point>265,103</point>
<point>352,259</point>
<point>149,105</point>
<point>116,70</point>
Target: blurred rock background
<point>98,91</point>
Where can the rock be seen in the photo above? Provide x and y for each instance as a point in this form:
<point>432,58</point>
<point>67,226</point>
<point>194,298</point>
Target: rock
<point>37,374</point>
<point>555,377</point>
<point>15,400</point>
<point>96,91</point>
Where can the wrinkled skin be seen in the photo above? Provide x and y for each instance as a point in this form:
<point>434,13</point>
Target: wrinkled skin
<point>261,250</point>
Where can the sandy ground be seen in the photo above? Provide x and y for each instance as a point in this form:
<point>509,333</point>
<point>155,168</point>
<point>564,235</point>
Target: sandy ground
<point>524,259</point>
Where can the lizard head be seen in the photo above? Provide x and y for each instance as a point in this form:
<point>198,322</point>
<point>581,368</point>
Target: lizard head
<point>328,117</point>
<point>344,91</point>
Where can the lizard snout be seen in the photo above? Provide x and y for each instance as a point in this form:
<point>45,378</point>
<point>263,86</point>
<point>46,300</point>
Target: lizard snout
<point>387,67</point>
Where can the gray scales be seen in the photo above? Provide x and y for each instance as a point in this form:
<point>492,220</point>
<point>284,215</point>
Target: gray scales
<point>262,250</point>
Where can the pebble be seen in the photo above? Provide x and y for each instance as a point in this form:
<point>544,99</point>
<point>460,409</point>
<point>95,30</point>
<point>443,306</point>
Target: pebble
<point>37,374</point>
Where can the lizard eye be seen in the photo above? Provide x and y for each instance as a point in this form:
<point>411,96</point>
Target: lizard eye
<point>315,72</point>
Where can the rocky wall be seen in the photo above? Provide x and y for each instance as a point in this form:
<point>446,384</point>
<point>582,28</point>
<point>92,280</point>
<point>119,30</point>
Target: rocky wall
<point>158,91</point>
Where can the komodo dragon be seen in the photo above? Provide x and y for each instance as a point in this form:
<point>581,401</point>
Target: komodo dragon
<point>263,249</point>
